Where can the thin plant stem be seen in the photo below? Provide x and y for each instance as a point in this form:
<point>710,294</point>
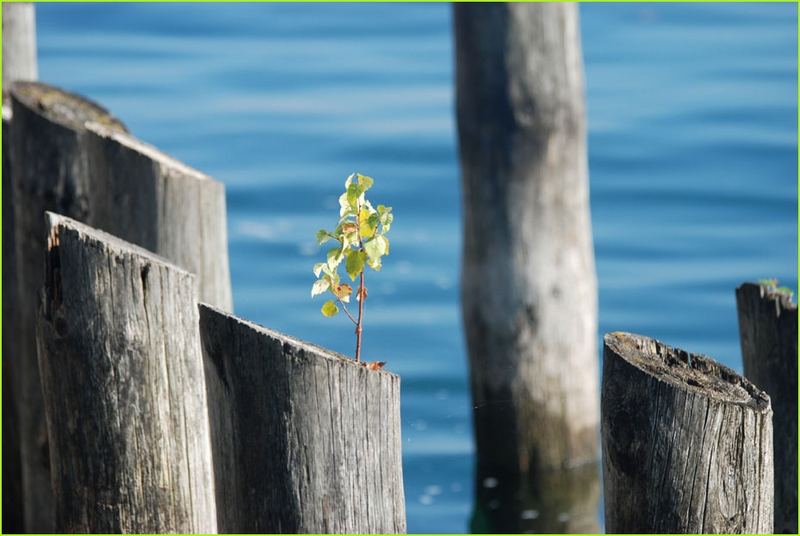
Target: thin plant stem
<point>344,308</point>
<point>360,291</point>
<point>360,296</point>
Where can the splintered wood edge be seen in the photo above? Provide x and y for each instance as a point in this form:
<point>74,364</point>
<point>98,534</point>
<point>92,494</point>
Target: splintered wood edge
<point>62,107</point>
<point>310,348</point>
<point>126,139</point>
<point>693,373</point>
<point>56,223</point>
<point>782,300</point>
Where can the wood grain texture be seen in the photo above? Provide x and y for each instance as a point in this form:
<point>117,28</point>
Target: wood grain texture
<point>768,336</point>
<point>50,174</point>
<point>77,160</point>
<point>687,442</point>
<point>304,440</point>
<point>528,285</point>
<point>19,44</point>
<point>124,391</point>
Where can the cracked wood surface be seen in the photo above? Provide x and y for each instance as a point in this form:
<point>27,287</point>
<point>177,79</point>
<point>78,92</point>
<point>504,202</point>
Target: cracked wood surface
<point>123,385</point>
<point>768,336</point>
<point>687,442</point>
<point>74,158</point>
<point>304,440</point>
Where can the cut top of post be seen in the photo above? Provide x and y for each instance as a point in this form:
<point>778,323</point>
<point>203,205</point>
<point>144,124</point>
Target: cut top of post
<point>312,350</point>
<point>693,373</point>
<point>58,224</point>
<point>783,300</point>
<point>64,108</point>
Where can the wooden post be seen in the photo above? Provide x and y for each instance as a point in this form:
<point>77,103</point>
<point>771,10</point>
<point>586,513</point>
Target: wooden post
<point>72,157</point>
<point>19,43</point>
<point>687,442</point>
<point>528,285</point>
<point>304,440</point>
<point>123,384</point>
<point>768,334</point>
<point>19,63</point>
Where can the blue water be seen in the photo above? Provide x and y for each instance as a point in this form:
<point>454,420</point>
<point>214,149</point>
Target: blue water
<point>693,164</point>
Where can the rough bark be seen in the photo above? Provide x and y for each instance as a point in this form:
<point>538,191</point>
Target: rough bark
<point>124,391</point>
<point>687,442</point>
<point>528,285</point>
<point>19,44</point>
<point>304,440</point>
<point>768,335</point>
<point>72,157</point>
<point>19,63</point>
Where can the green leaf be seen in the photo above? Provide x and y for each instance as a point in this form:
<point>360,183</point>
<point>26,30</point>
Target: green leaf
<point>376,248</point>
<point>320,286</point>
<point>367,223</point>
<point>375,264</point>
<point>322,236</point>
<point>349,180</point>
<point>329,309</point>
<point>365,182</point>
<point>318,268</point>
<point>354,191</point>
<point>355,263</point>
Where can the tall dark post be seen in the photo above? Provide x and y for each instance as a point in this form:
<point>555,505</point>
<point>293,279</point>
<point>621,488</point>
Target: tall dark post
<point>19,63</point>
<point>529,292</point>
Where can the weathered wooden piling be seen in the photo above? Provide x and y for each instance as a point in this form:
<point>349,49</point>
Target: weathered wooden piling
<point>768,336</point>
<point>304,440</point>
<point>19,43</point>
<point>19,63</point>
<point>124,390</point>
<point>528,284</point>
<point>687,442</point>
<point>72,157</point>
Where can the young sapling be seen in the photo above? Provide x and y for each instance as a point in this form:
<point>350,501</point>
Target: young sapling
<point>361,237</point>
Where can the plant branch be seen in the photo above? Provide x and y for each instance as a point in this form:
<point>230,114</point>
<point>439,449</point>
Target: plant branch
<point>344,308</point>
<point>360,291</point>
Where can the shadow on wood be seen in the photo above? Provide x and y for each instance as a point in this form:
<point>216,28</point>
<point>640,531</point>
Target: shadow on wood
<point>687,442</point>
<point>13,505</point>
<point>559,501</point>
<point>768,335</point>
<point>304,440</point>
<point>19,63</point>
<point>123,384</point>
